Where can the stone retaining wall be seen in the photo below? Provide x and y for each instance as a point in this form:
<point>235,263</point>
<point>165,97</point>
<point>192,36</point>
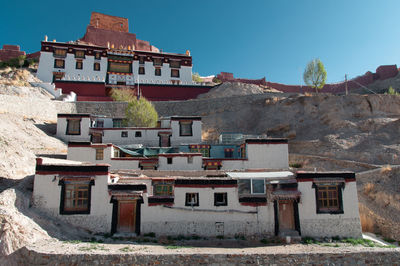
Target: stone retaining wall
<point>25,256</point>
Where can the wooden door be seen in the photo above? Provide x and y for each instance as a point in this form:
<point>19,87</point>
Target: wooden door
<point>126,216</point>
<point>286,215</point>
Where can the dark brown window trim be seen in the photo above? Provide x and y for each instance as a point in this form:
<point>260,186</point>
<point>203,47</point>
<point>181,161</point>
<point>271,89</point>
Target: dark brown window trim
<point>175,76</point>
<point>55,64</point>
<point>67,131</point>
<point>340,198</point>
<point>141,70</point>
<point>62,199</point>
<point>77,64</point>
<point>221,203</point>
<point>80,57</point>
<point>94,66</point>
<point>187,202</point>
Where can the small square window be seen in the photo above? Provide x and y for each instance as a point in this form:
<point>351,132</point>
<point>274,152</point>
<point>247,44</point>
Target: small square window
<point>79,54</point>
<point>141,70</point>
<point>117,122</point>
<point>60,53</point>
<point>157,62</point>
<point>138,134</point>
<point>221,199</point>
<point>169,160</point>
<point>174,64</point>
<point>100,123</point>
<point>73,127</point>
<point>258,186</point>
<point>228,153</point>
<point>124,134</point>
<point>97,56</point>
<point>157,72</point>
<point>141,60</point>
<point>185,128</point>
<point>59,63</point>
<point>190,159</point>
<point>75,198</point>
<point>244,186</point>
<point>78,64</point>
<point>175,73</point>
<point>163,189</point>
<point>99,154</point>
<point>329,197</point>
<point>192,199</point>
<point>96,66</point>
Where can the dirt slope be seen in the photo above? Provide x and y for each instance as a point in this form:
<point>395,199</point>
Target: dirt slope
<point>364,128</point>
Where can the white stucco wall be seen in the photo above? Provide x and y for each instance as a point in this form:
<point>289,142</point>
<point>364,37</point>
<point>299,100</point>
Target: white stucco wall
<point>180,163</point>
<point>167,221</point>
<point>316,225</point>
<point>273,156</point>
<point>149,137</point>
<point>47,194</point>
<point>62,129</point>
<point>185,74</point>
<point>87,73</point>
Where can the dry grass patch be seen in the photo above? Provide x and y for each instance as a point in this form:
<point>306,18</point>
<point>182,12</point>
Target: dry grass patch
<point>386,169</point>
<point>369,188</point>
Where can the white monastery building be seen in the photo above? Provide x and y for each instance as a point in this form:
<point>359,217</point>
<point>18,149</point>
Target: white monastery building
<point>166,181</point>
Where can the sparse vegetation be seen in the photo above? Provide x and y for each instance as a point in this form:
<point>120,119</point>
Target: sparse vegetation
<point>139,112</point>
<point>151,234</point>
<point>216,80</point>
<point>368,188</point>
<point>196,78</point>
<point>315,74</point>
<point>126,249</point>
<point>20,61</point>
<point>392,91</point>
<point>296,165</point>
<point>177,247</point>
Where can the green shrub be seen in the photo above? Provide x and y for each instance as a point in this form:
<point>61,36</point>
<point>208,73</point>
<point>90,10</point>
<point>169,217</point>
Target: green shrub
<point>296,165</point>
<point>392,91</point>
<point>139,113</point>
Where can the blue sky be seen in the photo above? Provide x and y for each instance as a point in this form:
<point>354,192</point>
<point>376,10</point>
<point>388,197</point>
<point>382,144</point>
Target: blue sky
<point>252,39</point>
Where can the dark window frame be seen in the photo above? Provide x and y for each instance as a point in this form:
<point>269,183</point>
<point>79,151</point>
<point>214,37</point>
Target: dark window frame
<point>61,60</point>
<point>157,62</point>
<point>169,160</point>
<point>99,156</point>
<point>96,64</point>
<point>141,70</point>
<point>67,130</point>
<point>320,209</point>
<point>63,210</point>
<point>81,57</point>
<point>173,75</point>
<point>124,134</point>
<point>228,153</point>
<point>77,64</point>
<point>157,71</point>
<point>186,134</point>
<point>97,56</point>
<point>138,134</point>
<point>60,55</point>
<point>117,122</point>
<point>224,195</point>
<point>187,196</point>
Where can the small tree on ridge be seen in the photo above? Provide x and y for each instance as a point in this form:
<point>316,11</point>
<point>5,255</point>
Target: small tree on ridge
<point>315,74</point>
